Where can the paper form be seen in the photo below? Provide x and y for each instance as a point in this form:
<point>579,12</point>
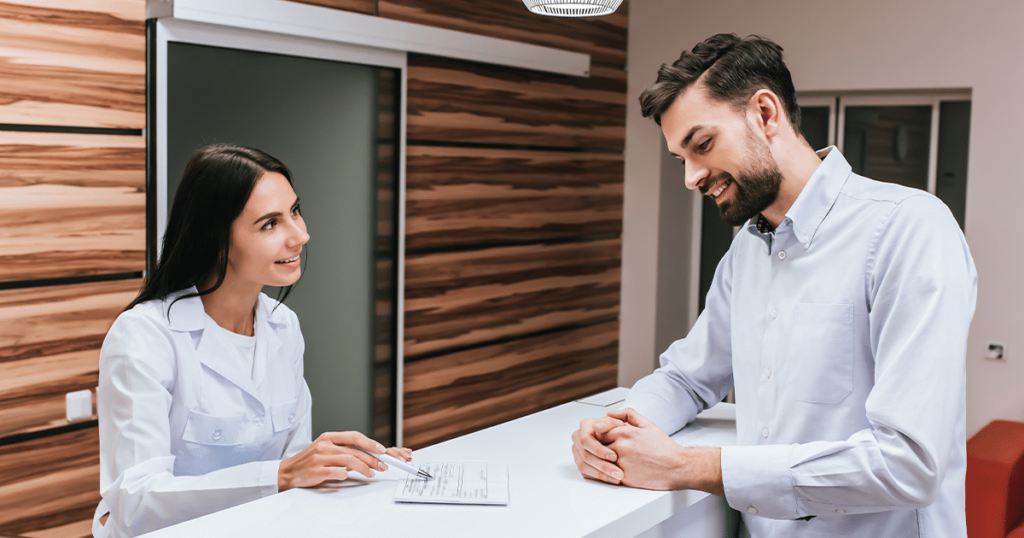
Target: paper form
<point>457,482</point>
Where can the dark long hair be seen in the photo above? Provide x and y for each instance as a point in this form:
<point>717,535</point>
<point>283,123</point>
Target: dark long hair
<point>217,184</point>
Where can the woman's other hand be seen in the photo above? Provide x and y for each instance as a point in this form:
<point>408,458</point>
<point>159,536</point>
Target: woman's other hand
<point>330,457</point>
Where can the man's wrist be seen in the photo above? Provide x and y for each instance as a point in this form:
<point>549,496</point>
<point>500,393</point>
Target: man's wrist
<point>700,468</point>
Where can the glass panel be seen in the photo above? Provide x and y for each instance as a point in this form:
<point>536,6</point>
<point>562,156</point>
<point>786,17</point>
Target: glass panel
<point>889,143</point>
<point>954,139</point>
<point>715,238</point>
<point>322,119</point>
<point>814,125</point>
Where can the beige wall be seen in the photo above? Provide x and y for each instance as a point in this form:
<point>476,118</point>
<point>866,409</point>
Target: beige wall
<point>858,45</point>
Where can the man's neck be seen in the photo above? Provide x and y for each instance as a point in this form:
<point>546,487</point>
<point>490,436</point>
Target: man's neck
<point>796,167</point>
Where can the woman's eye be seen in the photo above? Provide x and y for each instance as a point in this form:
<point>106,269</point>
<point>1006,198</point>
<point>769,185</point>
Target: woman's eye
<point>296,211</point>
<point>269,225</point>
<point>704,145</point>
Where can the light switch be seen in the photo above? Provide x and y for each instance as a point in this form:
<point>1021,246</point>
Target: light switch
<point>79,405</point>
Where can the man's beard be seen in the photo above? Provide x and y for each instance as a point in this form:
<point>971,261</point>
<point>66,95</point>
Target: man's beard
<point>757,186</point>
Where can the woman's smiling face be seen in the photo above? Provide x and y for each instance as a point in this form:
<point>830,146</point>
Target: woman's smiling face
<point>267,237</point>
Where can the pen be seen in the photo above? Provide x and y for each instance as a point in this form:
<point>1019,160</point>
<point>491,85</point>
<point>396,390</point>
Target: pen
<point>392,461</point>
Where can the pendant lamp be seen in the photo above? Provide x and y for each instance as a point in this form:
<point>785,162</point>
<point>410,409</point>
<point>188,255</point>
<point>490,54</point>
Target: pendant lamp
<point>572,8</point>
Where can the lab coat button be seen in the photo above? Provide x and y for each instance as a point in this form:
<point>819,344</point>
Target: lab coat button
<point>782,254</point>
<point>258,421</point>
<point>751,510</point>
<point>775,314</point>
<point>764,433</point>
<point>291,418</point>
<point>840,511</point>
<point>768,373</point>
<point>216,435</point>
<point>805,239</point>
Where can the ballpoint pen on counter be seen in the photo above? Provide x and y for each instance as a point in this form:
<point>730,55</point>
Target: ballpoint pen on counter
<point>390,461</point>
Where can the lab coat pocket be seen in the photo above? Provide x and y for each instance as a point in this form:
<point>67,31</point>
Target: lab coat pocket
<point>283,415</point>
<point>213,430</point>
<point>822,353</point>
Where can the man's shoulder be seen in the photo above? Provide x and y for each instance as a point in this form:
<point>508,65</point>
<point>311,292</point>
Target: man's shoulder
<point>870,190</point>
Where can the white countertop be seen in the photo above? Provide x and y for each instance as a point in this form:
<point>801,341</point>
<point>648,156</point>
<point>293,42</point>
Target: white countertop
<point>548,497</point>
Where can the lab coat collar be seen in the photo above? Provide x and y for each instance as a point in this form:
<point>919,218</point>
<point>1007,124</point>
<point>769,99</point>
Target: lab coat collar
<point>188,315</point>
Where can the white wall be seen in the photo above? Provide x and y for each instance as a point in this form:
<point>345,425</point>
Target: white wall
<point>859,45</point>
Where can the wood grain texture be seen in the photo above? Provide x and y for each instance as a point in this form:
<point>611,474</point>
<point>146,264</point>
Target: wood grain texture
<point>455,394</point>
<point>50,341</point>
<point>50,482</point>
<point>462,298</point>
<point>455,101</point>
<point>79,63</point>
<point>358,6</point>
<point>71,204</point>
<point>468,196</point>
<point>604,38</point>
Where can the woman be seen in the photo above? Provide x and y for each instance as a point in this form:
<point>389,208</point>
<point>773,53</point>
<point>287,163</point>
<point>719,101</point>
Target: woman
<point>202,403</point>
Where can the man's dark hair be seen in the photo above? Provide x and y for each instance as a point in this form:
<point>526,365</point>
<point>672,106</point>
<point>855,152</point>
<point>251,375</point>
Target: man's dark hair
<point>731,69</point>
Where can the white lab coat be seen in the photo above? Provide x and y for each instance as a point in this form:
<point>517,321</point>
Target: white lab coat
<point>183,432</point>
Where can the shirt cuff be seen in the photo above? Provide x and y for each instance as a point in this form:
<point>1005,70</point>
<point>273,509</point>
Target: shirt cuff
<point>665,415</point>
<point>268,477</point>
<point>758,482</point>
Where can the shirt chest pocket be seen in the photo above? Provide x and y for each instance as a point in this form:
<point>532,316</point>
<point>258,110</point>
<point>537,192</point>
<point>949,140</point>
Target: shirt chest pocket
<point>821,349</point>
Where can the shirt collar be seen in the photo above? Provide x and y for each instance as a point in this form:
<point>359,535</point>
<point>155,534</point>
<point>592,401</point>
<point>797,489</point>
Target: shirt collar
<point>818,195</point>
<point>188,313</point>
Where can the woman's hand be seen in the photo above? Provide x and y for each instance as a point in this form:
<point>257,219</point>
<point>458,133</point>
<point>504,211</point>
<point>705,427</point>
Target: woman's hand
<point>331,456</point>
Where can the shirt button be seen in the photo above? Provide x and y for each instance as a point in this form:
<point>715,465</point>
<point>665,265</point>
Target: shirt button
<point>291,418</point>
<point>840,511</point>
<point>767,373</point>
<point>751,510</point>
<point>775,314</point>
<point>764,433</point>
<point>216,435</point>
<point>805,239</point>
<point>782,254</point>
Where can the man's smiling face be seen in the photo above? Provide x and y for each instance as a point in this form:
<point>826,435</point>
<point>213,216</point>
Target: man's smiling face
<point>722,154</point>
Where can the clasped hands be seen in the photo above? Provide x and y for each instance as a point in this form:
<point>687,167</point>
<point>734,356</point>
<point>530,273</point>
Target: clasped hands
<point>331,456</point>
<point>626,448</point>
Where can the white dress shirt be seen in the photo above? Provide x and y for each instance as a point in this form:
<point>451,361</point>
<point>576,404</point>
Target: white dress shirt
<point>844,334</point>
<point>187,425</point>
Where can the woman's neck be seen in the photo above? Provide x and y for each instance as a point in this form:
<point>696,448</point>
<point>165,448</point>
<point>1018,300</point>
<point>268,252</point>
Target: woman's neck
<point>232,306</point>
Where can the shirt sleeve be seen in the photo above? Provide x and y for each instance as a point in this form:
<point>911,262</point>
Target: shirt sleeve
<point>137,371</point>
<point>921,287</point>
<point>696,371</point>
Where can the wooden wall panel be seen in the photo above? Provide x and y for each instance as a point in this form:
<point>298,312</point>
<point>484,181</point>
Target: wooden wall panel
<point>358,6</point>
<point>50,340</point>
<point>604,38</point>
<point>50,483</point>
<point>455,394</point>
<point>79,63</point>
<point>71,205</point>
<point>462,298</point>
<point>455,101</point>
<point>469,196</point>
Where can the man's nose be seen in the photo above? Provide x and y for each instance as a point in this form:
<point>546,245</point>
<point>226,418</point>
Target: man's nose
<point>695,175</point>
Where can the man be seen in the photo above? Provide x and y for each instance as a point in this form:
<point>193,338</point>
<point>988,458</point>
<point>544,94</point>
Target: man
<point>839,314</point>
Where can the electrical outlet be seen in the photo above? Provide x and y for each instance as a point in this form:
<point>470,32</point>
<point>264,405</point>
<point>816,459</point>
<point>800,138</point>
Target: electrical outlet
<point>78,405</point>
<point>996,351</point>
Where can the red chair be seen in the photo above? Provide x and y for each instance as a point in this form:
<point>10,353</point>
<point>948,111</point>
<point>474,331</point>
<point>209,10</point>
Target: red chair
<point>995,481</point>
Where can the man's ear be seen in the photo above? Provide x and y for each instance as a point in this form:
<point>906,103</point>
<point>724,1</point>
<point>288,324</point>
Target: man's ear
<point>765,108</point>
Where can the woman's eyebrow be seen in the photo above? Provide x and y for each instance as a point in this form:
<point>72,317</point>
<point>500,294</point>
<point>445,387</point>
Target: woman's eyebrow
<point>276,213</point>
